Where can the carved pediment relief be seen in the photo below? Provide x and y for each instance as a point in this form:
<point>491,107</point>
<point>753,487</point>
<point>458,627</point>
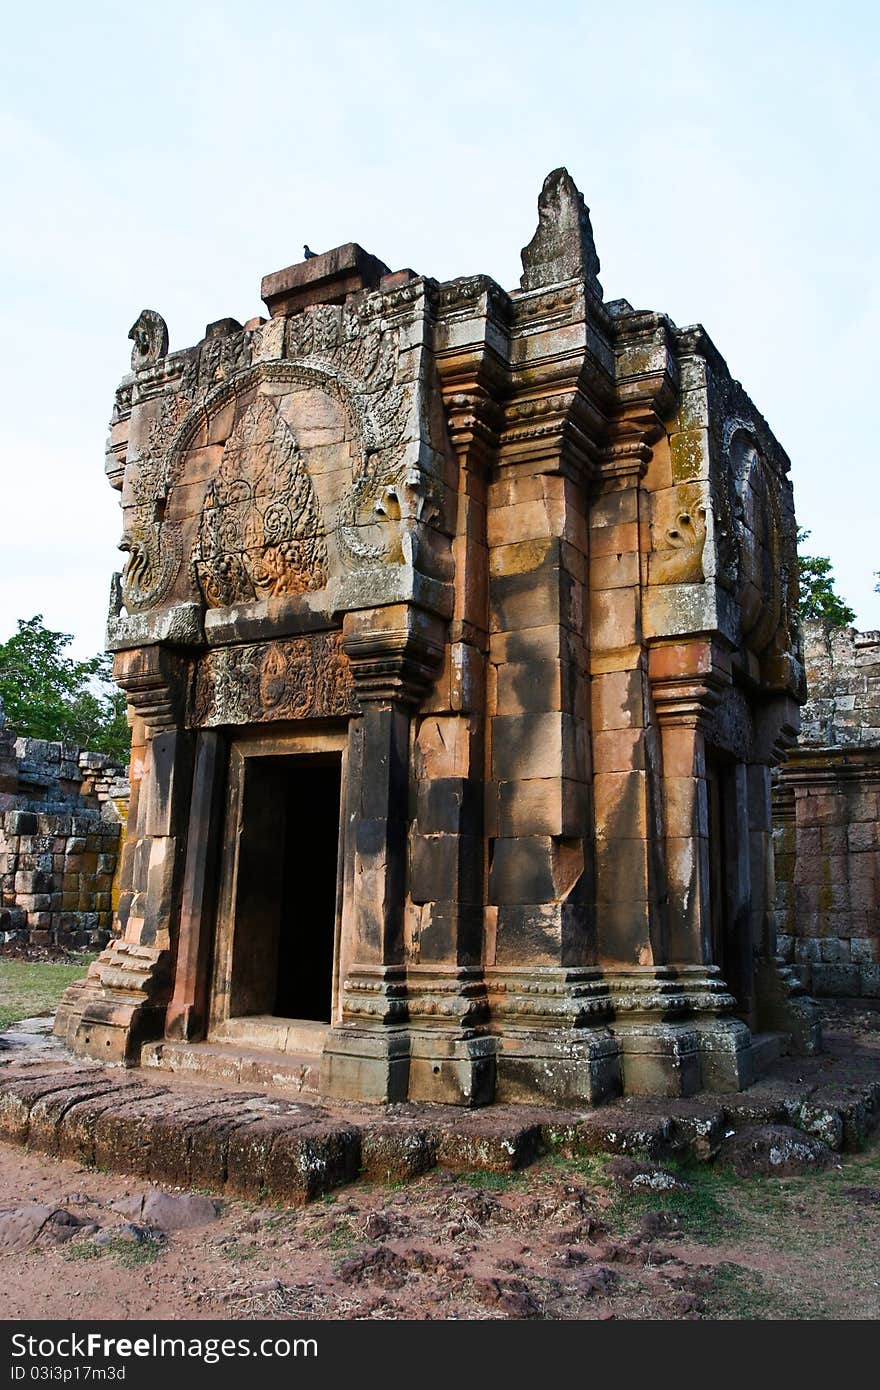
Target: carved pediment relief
<point>767,579</point>
<point>291,475</point>
<point>261,532</point>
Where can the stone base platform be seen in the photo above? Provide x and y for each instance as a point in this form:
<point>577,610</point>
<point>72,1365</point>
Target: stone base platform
<point>255,1142</point>
<point>293,1074</point>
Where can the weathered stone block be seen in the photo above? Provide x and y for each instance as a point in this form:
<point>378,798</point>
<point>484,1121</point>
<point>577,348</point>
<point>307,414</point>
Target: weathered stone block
<point>836,979</point>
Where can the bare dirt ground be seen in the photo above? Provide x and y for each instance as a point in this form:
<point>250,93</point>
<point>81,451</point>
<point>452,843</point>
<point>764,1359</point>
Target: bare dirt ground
<point>565,1239</point>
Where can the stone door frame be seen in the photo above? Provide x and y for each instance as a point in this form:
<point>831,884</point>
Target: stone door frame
<point>244,747</point>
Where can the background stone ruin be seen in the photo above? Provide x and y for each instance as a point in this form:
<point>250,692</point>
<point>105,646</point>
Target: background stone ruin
<point>62,815</point>
<point>826,813</point>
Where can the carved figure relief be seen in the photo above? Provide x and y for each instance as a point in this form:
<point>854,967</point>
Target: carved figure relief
<point>149,333</point>
<point>154,546</point>
<point>261,532</point>
<point>298,678</point>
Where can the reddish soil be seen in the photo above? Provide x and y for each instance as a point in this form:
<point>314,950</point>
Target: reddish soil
<point>565,1239</point>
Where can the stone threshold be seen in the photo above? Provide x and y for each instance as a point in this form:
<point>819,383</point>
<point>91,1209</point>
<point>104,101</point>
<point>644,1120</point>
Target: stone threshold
<point>262,1146</point>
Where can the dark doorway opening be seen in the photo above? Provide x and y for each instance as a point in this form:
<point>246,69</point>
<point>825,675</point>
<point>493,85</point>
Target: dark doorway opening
<point>728,902</point>
<point>285,906</point>
<point>308,900</point>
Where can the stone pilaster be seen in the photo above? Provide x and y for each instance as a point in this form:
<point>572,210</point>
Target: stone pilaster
<point>452,1057</point>
<point>686,680</point>
<point>395,653</point>
<point>122,1002</point>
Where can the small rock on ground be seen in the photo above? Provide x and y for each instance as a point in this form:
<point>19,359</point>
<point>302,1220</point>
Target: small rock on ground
<point>774,1150</point>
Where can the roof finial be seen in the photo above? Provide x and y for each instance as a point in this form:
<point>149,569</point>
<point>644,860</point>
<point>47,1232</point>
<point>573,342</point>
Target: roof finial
<point>562,247</point>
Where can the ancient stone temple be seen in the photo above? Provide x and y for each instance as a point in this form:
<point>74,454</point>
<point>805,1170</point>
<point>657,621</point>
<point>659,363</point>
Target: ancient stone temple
<point>458,629</point>
<point>826,812</point>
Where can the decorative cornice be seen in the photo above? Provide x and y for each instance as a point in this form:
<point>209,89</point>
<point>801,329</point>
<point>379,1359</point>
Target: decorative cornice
<point>154,680</point>
<point>395,653</point>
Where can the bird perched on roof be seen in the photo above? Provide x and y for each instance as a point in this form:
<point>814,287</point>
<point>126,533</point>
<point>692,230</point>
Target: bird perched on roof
<point>308,255</point>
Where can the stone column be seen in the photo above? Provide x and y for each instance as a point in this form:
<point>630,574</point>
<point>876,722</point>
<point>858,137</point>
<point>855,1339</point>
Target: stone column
<point>685,686</point>
<point>395,653</point>
<point>782,1003</point>
<point>122,1002</point>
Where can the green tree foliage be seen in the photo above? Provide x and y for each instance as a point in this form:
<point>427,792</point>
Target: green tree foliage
<point>817,596</point>
<point>47,694</point>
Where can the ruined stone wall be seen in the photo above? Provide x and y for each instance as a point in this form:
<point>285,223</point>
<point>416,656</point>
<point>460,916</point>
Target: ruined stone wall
<point>827,820</point>
<point>62,815</point>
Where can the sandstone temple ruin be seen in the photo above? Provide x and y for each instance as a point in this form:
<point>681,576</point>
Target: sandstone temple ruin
<point>459,634</point>
<point>62,817</point>
<point>826,805</point>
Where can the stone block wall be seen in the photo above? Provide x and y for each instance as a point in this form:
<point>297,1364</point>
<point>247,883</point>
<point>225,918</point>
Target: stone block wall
<point>62,815</point>
<point>827,820</point>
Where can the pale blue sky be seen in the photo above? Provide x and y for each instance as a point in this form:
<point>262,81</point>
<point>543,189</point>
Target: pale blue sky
<point>169,156</point>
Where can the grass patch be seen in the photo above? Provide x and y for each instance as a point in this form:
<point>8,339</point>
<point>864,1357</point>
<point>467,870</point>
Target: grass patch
<point>742,1294</point>
<point>30,988</point>
<point>342,1237</point>
<point>131,1254</point>
<point>737,1293</point>
<point>702,1207</point>
<point>239,1250</point>
<point>485,1181</point>
<point>700,1214</point>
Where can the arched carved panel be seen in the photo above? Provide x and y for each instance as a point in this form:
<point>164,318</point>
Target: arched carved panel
<point>261,532</point>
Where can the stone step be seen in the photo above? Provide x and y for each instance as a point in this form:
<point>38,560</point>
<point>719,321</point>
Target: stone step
<point>272,1034</point>
<point>286,1072</point>
<point>767,1048</point>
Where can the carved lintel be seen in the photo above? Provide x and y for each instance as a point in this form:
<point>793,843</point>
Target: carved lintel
<point>304,677</point>
<point>395,652</point>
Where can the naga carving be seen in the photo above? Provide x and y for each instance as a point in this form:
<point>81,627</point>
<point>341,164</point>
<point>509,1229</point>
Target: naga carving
<point>149,333</point>
<point>680,537</point>
<point>261,532</point>
<point>153,545</point>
